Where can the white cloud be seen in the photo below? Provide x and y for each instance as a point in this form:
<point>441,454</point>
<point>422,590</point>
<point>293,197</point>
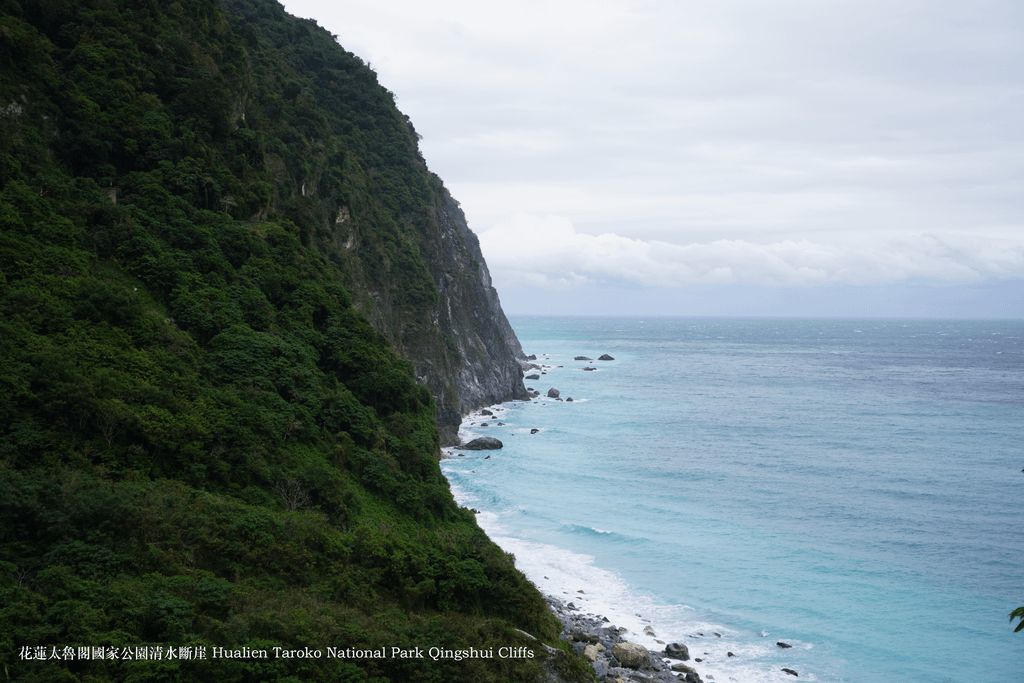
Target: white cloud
<point>547,252</point>
<point>746,141</point>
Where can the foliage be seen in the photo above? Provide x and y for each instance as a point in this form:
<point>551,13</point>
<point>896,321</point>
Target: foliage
<point>202,442</point>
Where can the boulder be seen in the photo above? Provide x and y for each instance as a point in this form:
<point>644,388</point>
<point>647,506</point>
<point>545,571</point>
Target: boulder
<point>683,668</point>
<point>606,357</point>
<point>791,672</point>
<point>553,393</point>
<point>534,430</point>
<point>590,369</point>
<point>648,631</point>
<point>582,358</point>
<point>532,356</point>
<point>569,400</point>
<point>784,646</point>
<point>590,652</point>
<point>533,376</point>
<point>484,443</point>
<point>677,651</point>
<point>631,655</point>
<point>486,412</point>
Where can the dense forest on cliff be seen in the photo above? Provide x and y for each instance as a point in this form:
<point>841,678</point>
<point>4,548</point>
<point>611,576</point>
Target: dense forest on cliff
<point>203,442</point>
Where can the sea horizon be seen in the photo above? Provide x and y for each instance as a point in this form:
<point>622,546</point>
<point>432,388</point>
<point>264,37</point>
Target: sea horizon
<point>756,549</point>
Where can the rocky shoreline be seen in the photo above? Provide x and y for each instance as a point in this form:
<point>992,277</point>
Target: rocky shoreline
<point>615,659</point>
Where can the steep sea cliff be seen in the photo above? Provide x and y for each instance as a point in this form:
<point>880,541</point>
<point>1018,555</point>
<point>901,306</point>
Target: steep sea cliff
<point>238,317</point>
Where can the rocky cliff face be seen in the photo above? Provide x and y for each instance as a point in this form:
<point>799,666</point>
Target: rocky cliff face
<point>464,350</point>
<point>488,351</point>
<point>348,172</point>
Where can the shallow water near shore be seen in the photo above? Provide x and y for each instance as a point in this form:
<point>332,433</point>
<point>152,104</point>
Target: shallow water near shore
<point>851,488</point>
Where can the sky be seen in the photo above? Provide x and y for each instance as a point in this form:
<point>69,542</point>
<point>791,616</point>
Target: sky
<point>851,158</point>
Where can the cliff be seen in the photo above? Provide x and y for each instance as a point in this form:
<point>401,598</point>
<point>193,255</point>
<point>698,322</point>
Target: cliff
<point>235,307</point>
<point>413,264</point>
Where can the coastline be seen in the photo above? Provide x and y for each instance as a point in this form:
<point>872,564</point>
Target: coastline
<point>591,601</point>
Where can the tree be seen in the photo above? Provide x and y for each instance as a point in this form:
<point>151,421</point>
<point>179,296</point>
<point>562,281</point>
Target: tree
<point>1017,614</point>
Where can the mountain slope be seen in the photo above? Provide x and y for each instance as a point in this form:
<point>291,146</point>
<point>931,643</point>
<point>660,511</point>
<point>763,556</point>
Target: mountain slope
<point>203,439</point>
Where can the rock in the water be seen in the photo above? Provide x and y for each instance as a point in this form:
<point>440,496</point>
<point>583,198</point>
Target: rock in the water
<point>534,430</point>
<point>590,369</point>
<point>532,356</point>
<point>569,400</point>
<point>791,672</point>
<point>605,357</point>
<point>677,651</point>
<point>533,376</point>
<point>631,655</point>
<point>648,631</point>
<point>730,654</point>
<point>553,393</point>
<point>582,358</point>
<point>784,646</point>
<point>486,412</point>
<point>683,668</point>
<point>484,443</point>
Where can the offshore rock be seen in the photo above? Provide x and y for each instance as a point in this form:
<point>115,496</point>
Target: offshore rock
<point>582,358</point>
<point>553,393</point>
<point>605,357</point>
<point>484,443</point>
<point>533,376</point>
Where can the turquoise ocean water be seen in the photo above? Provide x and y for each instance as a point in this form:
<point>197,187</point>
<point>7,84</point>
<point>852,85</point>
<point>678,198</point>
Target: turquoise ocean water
<point>853,488</point>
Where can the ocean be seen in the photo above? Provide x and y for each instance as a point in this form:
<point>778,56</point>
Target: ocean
<point>852,488</point>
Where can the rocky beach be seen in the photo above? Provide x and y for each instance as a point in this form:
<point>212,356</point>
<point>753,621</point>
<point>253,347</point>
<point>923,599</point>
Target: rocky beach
<point>615,658</point>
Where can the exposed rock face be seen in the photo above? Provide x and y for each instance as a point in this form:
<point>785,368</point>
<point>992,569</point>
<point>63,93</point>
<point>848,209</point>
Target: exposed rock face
<point>462,348</point>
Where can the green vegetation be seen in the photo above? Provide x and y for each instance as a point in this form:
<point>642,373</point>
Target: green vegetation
<point>202,443</point>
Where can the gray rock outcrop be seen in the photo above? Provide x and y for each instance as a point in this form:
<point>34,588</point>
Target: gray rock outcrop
<point>483,443</point>
<point>631,655</point>
<point>461,346</point>
<point>677,651</point>
<point>553,393</point>
<point>605,357</point>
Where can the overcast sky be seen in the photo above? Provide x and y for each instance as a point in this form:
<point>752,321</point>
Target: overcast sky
<point>736,157</point>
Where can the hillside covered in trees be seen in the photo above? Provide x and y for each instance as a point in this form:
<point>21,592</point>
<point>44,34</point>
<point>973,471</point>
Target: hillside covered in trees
<point>222,362</point>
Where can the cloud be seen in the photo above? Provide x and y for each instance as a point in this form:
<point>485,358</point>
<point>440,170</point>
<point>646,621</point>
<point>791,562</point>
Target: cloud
<point>731,141</point>
<point>547,252</point>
